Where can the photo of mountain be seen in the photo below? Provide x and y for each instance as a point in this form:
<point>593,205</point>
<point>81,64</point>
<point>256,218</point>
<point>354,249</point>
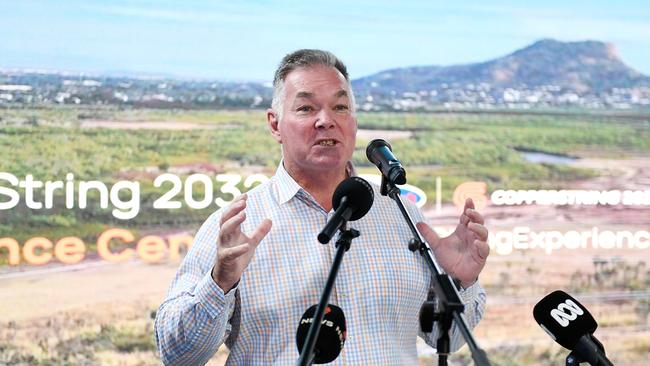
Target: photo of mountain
<point>125,125</point>
<point>547,73</point>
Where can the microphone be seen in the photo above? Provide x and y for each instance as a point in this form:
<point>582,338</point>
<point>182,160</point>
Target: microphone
<point>352,199</point>
<point>572,326</point>
<point>380,153</point>
<point>331,337</point>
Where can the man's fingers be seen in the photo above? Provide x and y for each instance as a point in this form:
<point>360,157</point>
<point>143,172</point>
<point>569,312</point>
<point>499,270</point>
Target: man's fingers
<point>261,231</point>
<point>429,234</point>
<point>237,205</point>
<point>230,254</point>
<point>232,225</point>
<point>468,204</point>
<point>464,219</point>
<point>478,229</point>
<point>474,216</point>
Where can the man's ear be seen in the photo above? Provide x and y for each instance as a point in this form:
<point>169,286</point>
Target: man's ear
<point>273,124</point>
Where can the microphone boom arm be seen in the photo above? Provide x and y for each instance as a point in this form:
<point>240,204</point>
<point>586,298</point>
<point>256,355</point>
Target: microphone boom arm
<point>449,303</point>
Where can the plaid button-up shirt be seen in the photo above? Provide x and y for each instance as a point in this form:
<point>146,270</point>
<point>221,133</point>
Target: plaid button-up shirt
<point>380,286</point>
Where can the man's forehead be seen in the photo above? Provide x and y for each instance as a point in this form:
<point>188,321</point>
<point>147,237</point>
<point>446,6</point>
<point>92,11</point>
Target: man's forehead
<point>305,80</point>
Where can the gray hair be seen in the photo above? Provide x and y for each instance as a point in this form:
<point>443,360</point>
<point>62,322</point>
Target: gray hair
<point>305,58</point>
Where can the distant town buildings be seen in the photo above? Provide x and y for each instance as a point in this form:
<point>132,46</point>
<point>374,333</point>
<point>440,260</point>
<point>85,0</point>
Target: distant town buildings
<point>51,89</point>
<point>484,96</point>
<point>20,88</point>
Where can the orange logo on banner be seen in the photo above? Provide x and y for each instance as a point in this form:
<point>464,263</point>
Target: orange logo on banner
<point>477,191</point>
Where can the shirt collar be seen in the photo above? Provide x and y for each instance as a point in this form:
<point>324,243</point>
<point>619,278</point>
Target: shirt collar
<point>287,187</point>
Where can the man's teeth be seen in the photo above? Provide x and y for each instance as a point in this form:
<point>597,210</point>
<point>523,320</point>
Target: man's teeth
<point>327,143</point>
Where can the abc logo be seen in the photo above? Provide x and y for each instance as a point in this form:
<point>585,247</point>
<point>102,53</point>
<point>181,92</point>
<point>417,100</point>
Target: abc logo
<point>566,312</point>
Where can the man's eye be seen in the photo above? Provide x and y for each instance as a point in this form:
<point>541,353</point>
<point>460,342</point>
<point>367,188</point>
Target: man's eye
<point>341,107</point>
<point>305,108</point>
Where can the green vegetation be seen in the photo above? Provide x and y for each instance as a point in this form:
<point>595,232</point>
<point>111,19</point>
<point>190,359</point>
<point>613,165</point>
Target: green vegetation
<point>51,142</point>
<point>75,339</point>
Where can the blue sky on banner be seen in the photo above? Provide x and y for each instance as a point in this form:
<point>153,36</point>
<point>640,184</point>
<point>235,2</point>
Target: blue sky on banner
<point>230,40</point>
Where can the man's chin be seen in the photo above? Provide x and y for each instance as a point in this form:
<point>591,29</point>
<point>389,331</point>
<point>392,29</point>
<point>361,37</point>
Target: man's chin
<point>328,163</point>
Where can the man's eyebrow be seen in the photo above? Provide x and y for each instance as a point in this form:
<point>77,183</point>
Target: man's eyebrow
<point>304,94</point>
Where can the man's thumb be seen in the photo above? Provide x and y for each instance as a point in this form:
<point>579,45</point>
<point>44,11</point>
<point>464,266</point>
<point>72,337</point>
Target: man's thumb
<point>429,234</point>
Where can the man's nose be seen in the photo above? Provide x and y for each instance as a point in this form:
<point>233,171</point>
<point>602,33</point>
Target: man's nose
<point>325,119</point>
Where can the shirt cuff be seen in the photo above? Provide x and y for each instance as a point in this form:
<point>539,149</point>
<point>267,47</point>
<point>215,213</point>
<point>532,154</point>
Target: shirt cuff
<point>469,294</point>
<point>211,296</point>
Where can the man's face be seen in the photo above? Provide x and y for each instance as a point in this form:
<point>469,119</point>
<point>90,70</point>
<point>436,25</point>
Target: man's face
<point>318,129</point>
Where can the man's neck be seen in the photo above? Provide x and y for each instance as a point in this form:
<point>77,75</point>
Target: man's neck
<point>320,185</point>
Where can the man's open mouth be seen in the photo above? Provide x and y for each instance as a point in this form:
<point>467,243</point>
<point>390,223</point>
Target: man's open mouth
<point>329,142</point>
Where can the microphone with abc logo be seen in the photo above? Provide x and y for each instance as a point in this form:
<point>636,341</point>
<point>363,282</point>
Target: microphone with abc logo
<point>572,326</point>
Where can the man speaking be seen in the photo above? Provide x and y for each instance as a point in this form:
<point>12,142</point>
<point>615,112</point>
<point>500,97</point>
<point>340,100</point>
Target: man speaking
<point>256,265</point>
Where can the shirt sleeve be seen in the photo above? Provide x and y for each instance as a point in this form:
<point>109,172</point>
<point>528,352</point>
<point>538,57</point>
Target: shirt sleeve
<point>193,321</point>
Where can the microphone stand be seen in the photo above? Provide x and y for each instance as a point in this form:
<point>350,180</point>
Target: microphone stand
<point>450,307</point>
<point>343,243</point>
<point>591,351</point>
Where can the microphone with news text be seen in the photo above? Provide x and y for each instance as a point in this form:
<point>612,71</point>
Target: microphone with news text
<point>332,335</point>
<point>572,326</point>
<point>351,200</point>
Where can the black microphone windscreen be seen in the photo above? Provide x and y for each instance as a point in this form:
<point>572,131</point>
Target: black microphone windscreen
<point>332,334</point>
<point>375,144</point>
<point>380,153</point>
<point>564,318</point>
<point>359,194</point>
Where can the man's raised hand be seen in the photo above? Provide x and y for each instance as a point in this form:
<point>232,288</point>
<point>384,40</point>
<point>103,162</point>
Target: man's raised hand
<point>463,253</point>
<point>235,249</point>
